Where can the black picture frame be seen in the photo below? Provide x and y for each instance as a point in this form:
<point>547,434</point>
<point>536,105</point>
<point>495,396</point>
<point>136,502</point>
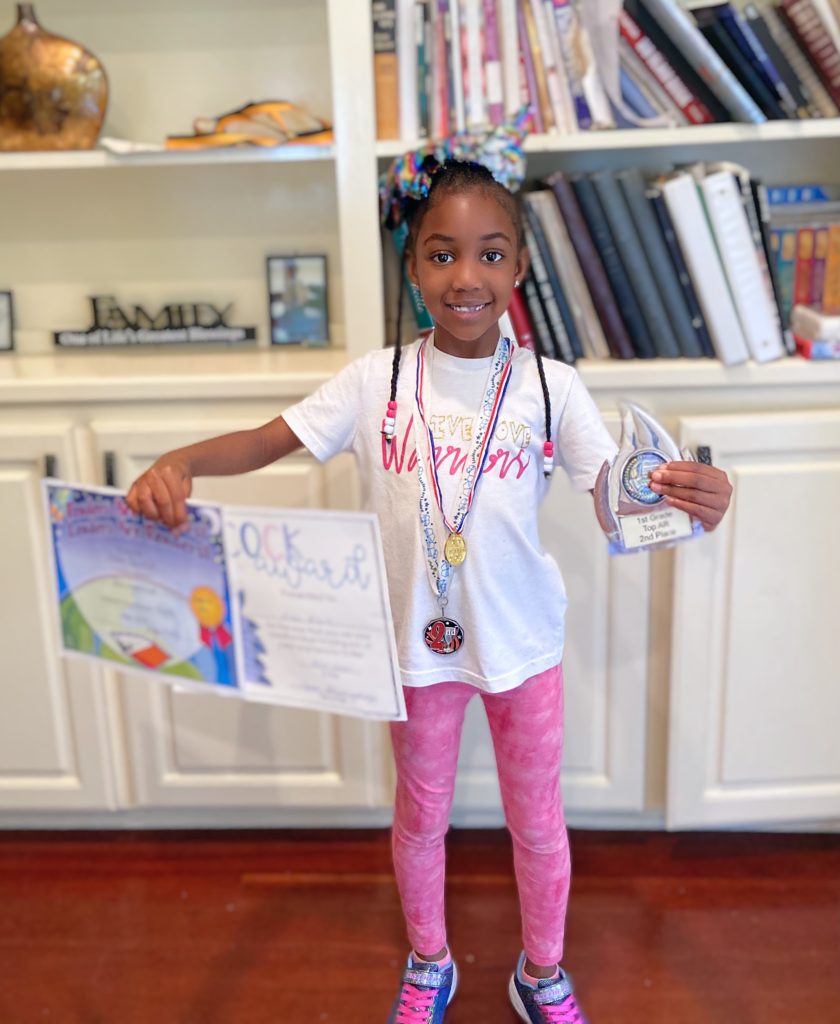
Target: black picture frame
<point>7,322</point>
<point>306,320</point>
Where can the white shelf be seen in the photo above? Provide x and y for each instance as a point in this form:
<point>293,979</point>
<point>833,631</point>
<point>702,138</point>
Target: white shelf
<point>647,138</point>
<point>100,158</point>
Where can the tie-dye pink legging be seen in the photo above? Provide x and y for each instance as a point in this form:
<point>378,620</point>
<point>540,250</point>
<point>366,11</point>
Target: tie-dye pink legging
<point>526,724</point>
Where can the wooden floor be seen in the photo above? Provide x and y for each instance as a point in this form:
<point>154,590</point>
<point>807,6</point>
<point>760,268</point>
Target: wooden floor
<point>304,928</point>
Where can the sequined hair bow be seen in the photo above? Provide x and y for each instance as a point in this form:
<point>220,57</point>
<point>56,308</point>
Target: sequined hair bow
<point>409,178</point>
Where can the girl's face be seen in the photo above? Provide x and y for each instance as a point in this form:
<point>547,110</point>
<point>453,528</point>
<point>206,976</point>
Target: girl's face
<point>465,261</point>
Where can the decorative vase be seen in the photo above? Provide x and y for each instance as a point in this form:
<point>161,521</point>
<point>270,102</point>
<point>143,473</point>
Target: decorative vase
<point>53,92</point>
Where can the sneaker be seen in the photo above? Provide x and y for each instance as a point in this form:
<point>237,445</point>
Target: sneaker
<point>426,991</point>
<point>551,1002</point>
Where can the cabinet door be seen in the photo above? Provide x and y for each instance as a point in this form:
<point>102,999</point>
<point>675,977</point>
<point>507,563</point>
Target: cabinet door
<point>53,733</point>
<point>605,669</point>
<point>196,750</point>
<point>755,698</point>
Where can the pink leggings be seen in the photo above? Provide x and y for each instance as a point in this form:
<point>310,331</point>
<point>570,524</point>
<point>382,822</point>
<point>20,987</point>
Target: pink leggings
<point>527,728</point>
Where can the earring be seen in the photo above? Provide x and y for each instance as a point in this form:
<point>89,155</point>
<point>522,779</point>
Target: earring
<point>516,284</point>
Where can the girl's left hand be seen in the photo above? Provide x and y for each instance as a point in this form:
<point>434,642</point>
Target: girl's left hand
<point>702,491</point>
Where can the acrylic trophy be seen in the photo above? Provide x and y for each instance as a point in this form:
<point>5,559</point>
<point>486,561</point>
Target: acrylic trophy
<point>634,517</point>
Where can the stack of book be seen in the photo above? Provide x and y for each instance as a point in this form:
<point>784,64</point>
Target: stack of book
<point>445,66</point>
<point>623,267</point>
<point>805,237</point>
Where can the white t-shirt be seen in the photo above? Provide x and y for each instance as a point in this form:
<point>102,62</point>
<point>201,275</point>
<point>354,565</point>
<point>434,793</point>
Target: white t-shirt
<point>508,595</point>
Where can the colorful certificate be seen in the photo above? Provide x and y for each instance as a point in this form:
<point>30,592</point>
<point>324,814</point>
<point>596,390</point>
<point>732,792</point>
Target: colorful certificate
<point>270,605</point>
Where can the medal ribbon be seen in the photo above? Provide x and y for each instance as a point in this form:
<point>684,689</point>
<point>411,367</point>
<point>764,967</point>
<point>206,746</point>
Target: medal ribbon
<point>491,405</point>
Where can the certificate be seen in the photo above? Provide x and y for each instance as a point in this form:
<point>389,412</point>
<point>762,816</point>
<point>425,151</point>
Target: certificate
<point>269,605</point>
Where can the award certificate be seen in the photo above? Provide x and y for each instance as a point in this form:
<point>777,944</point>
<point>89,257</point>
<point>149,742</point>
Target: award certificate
<point>277,606</point>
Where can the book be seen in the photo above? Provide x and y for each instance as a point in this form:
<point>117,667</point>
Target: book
<point>662,269</point>
<point>472,62</point>
<point>636,100</point>
<point>819,101</point>
<point>831,291</point>
<point>554,301</point>
<point>587,324</point>
<point>751,46</point>
<point>385,69</point>
<point>787,195</point>
<point>615,330</point>
<point>509,36</point>
<point>804,266</point>
<point>625,297</point>
<point>409,99</point>
<point>692,108</point>
<point>636,265</point>
<point>559,97</point>
<point>532,50</point>
<point>567,27</point>
<point>704,341</point>
<point>631,65</point>
<point>741,263</point>
<point>762,207</point>
<point>697,51</point>
<point>818,269</point>
<point>761,31</point>
<point>699,248</point>
<point>814,38</point>
<point>523,329</point>
<point>545,341</point>
<point>493,65</point>
<point>535,85</point>
<point>684,69</point>
<point>785,248</point>
<point>710,21</point>
<point>425,60</point>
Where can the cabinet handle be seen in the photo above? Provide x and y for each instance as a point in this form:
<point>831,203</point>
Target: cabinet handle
<point>110,469</point>
<point>50,465</point>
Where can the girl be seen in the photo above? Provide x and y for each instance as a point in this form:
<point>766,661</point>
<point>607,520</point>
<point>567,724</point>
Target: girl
<point>463,407</point>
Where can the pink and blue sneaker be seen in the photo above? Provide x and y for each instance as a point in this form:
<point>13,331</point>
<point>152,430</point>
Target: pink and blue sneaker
<point>426,991</point>
<point>549,1001</point>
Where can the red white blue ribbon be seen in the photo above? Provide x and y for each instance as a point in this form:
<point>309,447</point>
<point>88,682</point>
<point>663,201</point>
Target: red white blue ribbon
<point>491,405</point>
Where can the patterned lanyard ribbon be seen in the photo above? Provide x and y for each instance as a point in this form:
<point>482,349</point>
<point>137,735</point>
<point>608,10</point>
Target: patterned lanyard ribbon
<point>491,405</point>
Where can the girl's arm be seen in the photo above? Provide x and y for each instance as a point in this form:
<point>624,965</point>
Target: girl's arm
<point>162,491</point>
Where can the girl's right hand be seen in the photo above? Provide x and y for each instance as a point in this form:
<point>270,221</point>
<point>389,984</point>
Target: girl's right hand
<point>161,492</point>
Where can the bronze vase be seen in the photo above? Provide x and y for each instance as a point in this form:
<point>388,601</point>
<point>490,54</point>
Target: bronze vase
<point>53,92</point>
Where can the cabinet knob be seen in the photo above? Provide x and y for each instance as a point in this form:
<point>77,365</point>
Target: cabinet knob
<point>50,465</point>
<point>110,469</point>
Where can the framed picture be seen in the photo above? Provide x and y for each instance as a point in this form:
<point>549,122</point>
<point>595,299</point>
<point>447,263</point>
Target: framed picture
<point>297,300</point>
<point>7,322</point>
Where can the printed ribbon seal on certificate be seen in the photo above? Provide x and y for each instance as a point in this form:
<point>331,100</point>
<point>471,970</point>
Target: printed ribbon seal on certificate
<point>443,635</point>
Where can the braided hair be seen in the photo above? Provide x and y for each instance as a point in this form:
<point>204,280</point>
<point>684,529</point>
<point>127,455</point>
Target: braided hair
<point>455,177</point>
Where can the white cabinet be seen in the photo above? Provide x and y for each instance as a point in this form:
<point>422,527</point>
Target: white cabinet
<point>54,732</point>
<point>755,681</point>
<point>187,750</point>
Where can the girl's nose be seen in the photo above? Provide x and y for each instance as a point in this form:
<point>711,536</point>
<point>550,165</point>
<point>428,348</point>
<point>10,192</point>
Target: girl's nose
<point>467,276</point>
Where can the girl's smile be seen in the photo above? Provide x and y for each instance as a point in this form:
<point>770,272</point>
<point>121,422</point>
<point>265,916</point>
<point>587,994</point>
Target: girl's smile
<point>465,261</point>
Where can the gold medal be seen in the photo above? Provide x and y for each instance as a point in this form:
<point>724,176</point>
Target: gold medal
<point>455,549</point>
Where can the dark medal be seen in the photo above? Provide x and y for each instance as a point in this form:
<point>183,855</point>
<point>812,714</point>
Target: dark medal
<point>443,636</point>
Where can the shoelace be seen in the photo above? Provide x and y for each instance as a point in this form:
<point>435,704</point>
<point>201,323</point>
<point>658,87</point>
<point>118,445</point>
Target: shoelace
<point>416,1004</point>
<point>566,1012</point>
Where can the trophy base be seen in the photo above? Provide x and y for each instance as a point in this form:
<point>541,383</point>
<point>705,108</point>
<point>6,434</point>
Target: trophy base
<point>659,528</point>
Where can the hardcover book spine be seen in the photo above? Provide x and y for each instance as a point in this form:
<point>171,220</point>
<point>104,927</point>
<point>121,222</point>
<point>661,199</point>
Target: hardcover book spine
<point>545,340</point>
<point>520,320</point>
<point>551,297</point>
<point>636,265</point>
<point>565,24</point>
<point>779,26</point>
<point>785,268</point>
<point>591,267</point>
<point>816,42</point>
<point>704,346</point>
<point>619,282</point>
<point>804,266</point>
<point>781,63</point>
<point>493,65</point>
<point>831,292</point>
<point>694,110</point>
<point>762,209</point>
<point>530,71</point>
<point>385,69</point>
<point>662,270</point>
<point>531,44</point>
<point>818,271</point>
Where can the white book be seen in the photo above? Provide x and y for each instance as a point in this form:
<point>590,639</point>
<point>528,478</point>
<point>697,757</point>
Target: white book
<point>559,107</point>
<point>701,256</point>
<point>566,263</point>
<point>471,29</point>
<point>509,38</point>
<point>407,71</point>
<point>740,261</point>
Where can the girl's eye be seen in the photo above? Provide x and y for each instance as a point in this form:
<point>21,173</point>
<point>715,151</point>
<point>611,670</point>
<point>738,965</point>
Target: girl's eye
<point>494,256</point>
<point>441,257</point>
